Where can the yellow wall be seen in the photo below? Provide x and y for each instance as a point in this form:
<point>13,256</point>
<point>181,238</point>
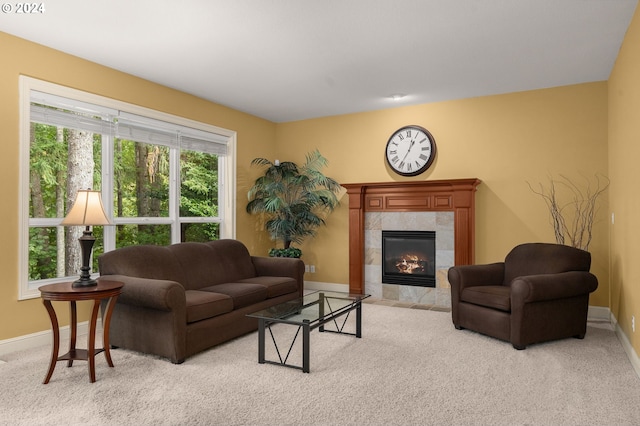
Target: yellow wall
<point>624,152</point>
<point>506,141</point>
<point>255,137</point>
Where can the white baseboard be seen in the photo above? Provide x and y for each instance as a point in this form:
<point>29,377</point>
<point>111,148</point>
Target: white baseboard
<point>598,313</point>
<point>626,344</point>
<point>41,338</point>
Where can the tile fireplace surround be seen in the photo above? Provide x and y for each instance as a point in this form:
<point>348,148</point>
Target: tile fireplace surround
<point>444,206</point>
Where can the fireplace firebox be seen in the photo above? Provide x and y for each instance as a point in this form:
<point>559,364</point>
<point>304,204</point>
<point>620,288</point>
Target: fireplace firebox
<point>409,258</point>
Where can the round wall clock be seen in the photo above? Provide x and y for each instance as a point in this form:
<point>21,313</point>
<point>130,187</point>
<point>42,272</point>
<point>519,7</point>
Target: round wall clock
<point>410,150</point>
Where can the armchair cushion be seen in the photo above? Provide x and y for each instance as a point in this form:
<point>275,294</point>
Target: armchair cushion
<point>492,296</point>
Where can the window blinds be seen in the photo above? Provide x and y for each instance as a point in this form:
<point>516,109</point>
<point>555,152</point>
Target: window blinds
<point>55,110</point>
<point>146,132</point>
<point>149,130</point>
<point>58,111</point>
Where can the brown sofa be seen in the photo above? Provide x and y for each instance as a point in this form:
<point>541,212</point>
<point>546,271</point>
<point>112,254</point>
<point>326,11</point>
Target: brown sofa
<point>539,293</point>
<point>184,298</point>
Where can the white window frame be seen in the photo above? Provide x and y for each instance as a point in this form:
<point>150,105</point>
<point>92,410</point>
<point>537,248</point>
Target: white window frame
<point>227,173</point>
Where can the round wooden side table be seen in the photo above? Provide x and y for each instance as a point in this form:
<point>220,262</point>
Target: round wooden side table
<point>65,292</point>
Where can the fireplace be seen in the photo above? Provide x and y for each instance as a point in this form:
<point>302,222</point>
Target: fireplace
<point>409,258</point>
<point>445,206</point>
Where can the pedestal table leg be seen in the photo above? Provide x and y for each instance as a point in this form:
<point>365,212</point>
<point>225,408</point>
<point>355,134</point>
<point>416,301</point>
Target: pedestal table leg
<point>73,332</point>
<point>105,330</point>
<point>56,339</point>
<point>91,343</point>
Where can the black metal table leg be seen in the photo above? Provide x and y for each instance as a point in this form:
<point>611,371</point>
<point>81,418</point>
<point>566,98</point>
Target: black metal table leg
<point>359,319</point>
<point>261,341</point>
<point>306,332</point>
<point>321,311</point>
<point>304,314</point>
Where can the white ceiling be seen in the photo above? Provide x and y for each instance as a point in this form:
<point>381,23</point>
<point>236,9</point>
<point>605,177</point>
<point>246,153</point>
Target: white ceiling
<point>287,60</point>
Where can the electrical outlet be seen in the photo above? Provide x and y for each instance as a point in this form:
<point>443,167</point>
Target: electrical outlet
<point>633,323</point>
<point>613,218</point>
<point>312,269</point>
<point>306,268</point>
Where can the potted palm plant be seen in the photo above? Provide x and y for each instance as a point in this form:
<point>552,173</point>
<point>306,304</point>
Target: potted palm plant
<point>293,199</point>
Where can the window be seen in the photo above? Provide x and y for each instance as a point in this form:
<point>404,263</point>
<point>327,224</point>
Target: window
<point>164,179</point>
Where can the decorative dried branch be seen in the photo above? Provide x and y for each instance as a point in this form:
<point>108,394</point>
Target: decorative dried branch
<point>573,221</point>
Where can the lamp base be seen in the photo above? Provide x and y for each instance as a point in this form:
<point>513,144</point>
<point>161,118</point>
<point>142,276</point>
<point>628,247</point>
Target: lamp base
<point>84,282</point>
<point>86,244</point>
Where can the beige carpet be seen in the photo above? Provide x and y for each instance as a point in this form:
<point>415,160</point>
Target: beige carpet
<point>410,367</point>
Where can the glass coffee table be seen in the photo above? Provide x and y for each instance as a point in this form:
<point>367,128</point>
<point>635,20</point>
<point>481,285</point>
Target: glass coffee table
<point>309,312</point>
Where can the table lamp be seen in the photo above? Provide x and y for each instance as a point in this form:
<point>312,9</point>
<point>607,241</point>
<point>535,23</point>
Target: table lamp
<point>87,210</point>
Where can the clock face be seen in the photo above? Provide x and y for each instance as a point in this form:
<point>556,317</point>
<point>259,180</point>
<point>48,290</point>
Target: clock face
<point>410,150</point>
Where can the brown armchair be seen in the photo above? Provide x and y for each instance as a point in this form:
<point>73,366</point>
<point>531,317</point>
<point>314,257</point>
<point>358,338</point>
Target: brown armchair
<point>539,293</point>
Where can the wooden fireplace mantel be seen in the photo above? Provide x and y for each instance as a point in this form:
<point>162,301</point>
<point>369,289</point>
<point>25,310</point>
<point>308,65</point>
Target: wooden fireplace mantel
<point>456,195</point>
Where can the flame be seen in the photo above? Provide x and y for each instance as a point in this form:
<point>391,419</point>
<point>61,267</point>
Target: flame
<point>409,263</point>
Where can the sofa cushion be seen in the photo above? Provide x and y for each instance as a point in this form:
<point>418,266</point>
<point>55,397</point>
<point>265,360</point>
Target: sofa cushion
<point>205,304</point>
<point>216,262</point>
<point>276,286</point>
<point>492,296</point>
<point>144,261</point>
<point>231,261</point>
<point>243,294</point>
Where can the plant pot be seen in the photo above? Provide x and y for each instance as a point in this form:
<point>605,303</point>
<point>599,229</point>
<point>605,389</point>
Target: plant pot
<point>285,252</point>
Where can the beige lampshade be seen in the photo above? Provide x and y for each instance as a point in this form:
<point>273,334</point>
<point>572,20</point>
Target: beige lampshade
<point>87,210</point>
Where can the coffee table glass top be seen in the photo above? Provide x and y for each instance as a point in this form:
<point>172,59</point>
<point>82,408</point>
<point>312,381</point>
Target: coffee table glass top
<point>308,308</point>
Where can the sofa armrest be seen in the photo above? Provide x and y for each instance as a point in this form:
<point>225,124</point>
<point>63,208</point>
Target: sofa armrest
<point>280,267</point>
<point>464,276</point>
<point>537,288</point>
<point>162,295</point>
